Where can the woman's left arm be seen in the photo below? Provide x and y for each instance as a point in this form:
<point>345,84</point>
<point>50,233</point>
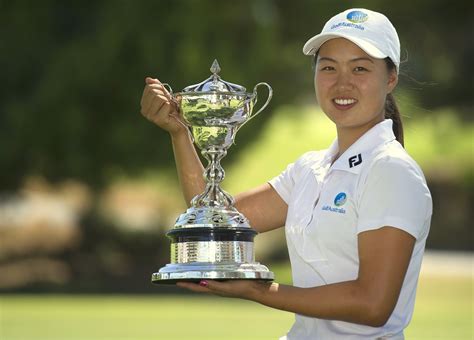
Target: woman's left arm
<point>384,256</point>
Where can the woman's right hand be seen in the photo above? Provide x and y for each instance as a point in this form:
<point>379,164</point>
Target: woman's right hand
<point>157,105</point>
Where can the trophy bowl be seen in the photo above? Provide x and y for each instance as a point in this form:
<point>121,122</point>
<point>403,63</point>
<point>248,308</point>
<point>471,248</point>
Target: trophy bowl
<point>214,117</point>
<point>212,240</point>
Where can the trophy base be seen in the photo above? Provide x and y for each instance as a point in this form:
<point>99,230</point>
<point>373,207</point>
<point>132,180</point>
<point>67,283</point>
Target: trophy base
<point>195,272</point>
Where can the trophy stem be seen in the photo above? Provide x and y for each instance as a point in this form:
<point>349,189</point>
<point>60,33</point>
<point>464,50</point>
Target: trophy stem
<point>213,195</point>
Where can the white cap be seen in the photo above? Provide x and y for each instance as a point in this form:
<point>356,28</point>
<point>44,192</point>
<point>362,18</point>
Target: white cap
<point>371,31</point>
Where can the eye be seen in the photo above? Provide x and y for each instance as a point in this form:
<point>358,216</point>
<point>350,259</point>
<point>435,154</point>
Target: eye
<point>327,68</point>
<point>360,69</point>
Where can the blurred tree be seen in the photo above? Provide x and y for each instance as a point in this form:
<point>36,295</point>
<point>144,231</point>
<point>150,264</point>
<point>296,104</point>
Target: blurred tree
<point>72,72</point>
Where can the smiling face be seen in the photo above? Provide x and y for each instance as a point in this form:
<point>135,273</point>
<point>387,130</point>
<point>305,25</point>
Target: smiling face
<point>351,87</point>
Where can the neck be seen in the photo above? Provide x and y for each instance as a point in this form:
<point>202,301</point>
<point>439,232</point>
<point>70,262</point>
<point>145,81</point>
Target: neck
<point>348,136</point>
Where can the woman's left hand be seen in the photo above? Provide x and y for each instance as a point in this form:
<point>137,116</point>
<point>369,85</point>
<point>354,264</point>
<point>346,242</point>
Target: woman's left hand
<point>244,289</point>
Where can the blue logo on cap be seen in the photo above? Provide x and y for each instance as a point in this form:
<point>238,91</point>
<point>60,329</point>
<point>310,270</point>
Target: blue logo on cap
<point>357,17</point>
<point>340,199</point>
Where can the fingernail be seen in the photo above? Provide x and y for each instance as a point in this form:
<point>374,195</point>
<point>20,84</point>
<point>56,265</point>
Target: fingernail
<point>203,283</point>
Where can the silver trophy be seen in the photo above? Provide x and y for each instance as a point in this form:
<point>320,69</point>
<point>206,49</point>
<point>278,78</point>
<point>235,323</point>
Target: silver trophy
<point>212,240</point>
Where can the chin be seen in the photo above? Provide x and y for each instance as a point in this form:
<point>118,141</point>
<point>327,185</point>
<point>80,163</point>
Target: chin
<point>353,120</point>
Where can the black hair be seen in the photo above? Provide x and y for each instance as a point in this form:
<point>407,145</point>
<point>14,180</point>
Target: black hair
<point>391,108</point>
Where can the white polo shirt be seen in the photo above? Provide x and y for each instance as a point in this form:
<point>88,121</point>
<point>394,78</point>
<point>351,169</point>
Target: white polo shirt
<point>375,183</point>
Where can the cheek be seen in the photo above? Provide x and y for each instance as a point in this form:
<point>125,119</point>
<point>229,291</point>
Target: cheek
<point>321,85</point>
<point>374,92</point>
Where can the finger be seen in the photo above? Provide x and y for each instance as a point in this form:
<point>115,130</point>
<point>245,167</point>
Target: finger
<point>159,89</point>
<point>155,111</point>
<point>145,95</point>
<point>150,80</point>
<point>221,288</point>
<point>149,94</point>
<point>160,92</point>
<point>162,88</point>
<point>151,91</point>
<point>152,104</point>
<point>193,287</point>
<point>155,83</point>
<point>217,286</point>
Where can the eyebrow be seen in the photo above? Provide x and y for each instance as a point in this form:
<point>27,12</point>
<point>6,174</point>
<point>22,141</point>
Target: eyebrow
<point>352,60</point>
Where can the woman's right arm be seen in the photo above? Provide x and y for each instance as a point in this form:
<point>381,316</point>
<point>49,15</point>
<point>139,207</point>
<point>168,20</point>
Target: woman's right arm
<point>158,107</point>
<point>262,206</point>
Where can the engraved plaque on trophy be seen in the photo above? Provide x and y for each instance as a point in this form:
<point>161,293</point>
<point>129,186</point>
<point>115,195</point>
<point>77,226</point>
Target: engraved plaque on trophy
<point>212,240</point>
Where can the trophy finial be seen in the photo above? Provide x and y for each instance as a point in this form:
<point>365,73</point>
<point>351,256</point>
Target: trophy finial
<point>214,83</point>
<point>215,68</point>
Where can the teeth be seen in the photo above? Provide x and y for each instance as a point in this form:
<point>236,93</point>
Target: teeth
<point>344,101</point>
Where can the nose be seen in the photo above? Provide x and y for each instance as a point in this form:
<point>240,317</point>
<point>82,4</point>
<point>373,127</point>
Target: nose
<point>344,80</point>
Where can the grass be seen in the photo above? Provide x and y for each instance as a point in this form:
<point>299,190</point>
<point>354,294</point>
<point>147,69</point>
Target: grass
<point>137,317</point>
<point>443,311</point>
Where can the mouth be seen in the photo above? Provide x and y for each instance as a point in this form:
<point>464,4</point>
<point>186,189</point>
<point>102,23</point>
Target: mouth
<point>344,103</point>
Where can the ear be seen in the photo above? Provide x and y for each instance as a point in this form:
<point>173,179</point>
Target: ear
<point>392,81</point>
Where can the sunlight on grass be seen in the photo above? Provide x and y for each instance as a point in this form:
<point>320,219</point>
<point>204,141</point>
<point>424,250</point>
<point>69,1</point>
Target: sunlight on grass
<point>138,317</point>
<point>443,310</point>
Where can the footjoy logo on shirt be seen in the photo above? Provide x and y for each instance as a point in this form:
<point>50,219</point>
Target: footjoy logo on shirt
<point>339,200</point>
<point>355,160</point>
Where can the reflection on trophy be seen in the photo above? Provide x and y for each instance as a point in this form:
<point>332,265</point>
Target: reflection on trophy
<point>212,240</point>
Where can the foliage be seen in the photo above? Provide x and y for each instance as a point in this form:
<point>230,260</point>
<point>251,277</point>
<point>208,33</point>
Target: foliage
<point>72,72</point>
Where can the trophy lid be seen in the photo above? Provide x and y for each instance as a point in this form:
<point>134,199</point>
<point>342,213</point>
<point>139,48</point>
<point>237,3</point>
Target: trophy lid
<point>214,83</point>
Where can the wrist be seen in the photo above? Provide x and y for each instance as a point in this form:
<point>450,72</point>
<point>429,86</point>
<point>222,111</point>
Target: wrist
<point>181,135</point>
<point>263,290</point>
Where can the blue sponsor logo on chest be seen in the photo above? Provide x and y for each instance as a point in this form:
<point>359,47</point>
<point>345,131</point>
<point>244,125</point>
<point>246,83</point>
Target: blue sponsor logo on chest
<point>337,210</point>
<point>339,200</point>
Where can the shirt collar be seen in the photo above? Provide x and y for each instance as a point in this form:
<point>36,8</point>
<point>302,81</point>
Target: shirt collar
<point>352,159</point>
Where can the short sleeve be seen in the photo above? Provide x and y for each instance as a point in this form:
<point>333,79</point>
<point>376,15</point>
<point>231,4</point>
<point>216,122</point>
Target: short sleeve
<point>395,194</point>
<point>284,182</point>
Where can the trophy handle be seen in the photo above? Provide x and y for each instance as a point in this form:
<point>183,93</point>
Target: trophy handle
<point>254,97</point>
<point>170,91</point>
<point>176,101</point>
<point>270,94</point>
<point>168,88</point>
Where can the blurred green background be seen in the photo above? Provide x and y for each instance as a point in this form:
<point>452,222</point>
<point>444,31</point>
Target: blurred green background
<point>88,187</point>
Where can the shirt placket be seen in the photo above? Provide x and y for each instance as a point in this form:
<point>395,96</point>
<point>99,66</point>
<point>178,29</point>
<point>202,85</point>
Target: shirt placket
<point>316,201</point>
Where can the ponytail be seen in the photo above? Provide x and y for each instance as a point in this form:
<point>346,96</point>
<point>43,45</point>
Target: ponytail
<point>391,109</point>
<point>391,112</point>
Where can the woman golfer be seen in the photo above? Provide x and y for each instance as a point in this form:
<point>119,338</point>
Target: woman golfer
<point>356,215</point>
